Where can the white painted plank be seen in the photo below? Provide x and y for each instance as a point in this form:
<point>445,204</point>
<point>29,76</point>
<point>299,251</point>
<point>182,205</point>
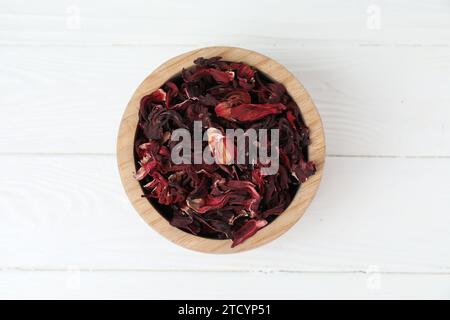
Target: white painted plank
<point>389,215</point>
<point>74,284</point>
<point>247,23</point>
<point>373,100</point>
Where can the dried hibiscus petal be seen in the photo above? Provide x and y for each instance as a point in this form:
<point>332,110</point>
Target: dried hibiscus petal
<point>247,230</point>
<point>157,96</point>
<point>219,76</point>
<point>304,170</point>
<point>222,150</point>
<point>223,200</point>
<point>247,112</point>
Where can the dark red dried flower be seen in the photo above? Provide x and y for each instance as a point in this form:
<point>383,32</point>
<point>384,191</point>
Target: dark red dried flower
<point>222,200</point>
<point>247,230</point>
<point>247,112</point>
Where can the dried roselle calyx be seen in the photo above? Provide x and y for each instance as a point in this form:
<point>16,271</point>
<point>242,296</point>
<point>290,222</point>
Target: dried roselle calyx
<point>220,147</point>
<point>218,75</point>
<point>247,230</point>
<point>225,198</point>
<point>247,112</point>
<point>303,170</point>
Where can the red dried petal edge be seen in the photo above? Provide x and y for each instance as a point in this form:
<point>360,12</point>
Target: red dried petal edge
<point>247,230</point>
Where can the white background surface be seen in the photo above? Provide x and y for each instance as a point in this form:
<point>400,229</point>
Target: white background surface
<point>379,73</point>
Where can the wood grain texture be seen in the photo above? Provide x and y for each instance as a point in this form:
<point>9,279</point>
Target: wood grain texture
<point>257,22</point>
<point>381,93</point>
<point>75,284</point>
<point>126,144</point>
<point>373,100</point>
<point>71,211</point>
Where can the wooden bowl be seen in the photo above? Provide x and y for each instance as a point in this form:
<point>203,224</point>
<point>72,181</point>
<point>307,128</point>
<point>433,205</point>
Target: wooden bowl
<point>126,161</point>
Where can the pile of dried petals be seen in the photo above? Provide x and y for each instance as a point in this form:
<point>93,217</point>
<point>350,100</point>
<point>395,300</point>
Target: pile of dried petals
<point>220,201</point>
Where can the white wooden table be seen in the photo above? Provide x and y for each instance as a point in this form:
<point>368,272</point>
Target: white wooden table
<point>379,72</point>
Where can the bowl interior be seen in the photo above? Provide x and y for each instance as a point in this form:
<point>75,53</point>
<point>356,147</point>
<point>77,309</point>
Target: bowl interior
<point>127,163</point>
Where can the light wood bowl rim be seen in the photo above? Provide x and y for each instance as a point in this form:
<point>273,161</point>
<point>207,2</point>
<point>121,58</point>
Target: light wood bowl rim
<point>126,162</point>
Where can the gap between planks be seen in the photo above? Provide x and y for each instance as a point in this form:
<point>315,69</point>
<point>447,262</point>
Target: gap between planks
<point>209,271</point>
<point>187,46</point>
